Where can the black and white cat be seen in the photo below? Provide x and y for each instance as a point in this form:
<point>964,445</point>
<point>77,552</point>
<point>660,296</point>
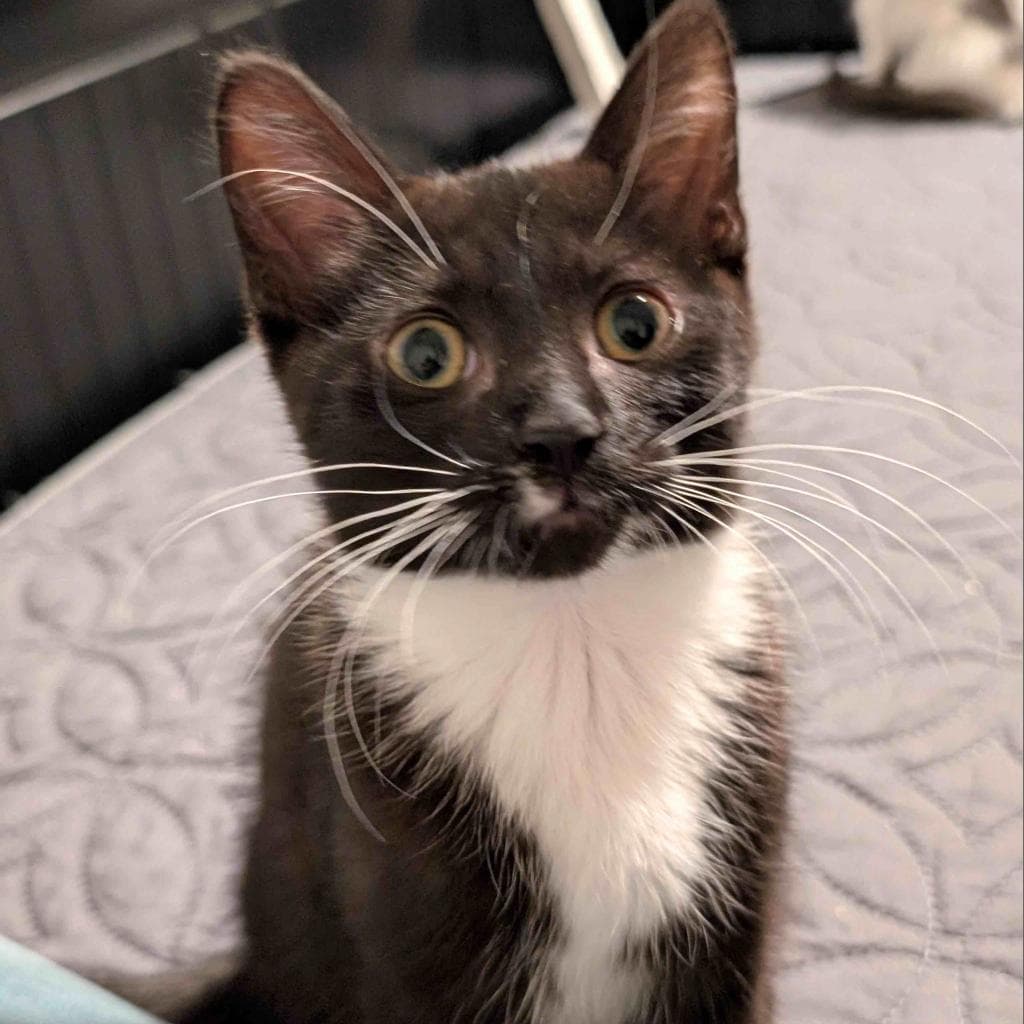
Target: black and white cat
<point>524,754</point>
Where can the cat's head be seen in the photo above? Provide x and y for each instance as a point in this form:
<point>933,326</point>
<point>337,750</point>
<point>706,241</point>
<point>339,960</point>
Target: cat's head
<point>527,338</point>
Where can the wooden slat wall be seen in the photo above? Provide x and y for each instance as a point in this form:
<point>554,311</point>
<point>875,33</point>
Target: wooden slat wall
<point>111,285</point>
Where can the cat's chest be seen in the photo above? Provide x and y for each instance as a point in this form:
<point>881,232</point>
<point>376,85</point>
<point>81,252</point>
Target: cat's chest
<point>600,750</point>
<point>594,714</point>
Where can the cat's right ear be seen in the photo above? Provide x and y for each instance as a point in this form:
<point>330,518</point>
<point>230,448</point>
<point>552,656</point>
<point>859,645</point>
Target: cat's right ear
<point>669,133</point>
<point>287,155</point>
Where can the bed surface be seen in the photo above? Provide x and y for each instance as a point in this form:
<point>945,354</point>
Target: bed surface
<point>885,254</point>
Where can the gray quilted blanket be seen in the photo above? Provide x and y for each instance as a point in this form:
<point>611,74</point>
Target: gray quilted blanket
<point>886,255</point>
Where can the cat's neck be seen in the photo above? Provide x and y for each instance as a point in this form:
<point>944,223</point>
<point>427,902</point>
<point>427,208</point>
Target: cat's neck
<point>650,614</point>
<point>594,711</point>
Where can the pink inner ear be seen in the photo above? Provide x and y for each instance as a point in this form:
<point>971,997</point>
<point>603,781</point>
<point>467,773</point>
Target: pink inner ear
<point>284,210</point>
<point>689,161</point>
<point>286,151</point>
<point>270,122</point>
<point>686,176</point>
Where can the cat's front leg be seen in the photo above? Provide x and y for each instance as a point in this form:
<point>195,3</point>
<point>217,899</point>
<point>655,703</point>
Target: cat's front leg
<point>717,973</point>
<point>734,1008</point>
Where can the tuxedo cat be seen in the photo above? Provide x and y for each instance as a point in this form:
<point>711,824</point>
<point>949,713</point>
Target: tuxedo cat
<point>523,752</point>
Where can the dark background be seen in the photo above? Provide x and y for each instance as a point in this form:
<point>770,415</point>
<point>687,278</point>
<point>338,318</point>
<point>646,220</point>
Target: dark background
<point>111,287</point>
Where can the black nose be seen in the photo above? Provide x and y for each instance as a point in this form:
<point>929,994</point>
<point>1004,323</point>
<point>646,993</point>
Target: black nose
<point>561,448</point>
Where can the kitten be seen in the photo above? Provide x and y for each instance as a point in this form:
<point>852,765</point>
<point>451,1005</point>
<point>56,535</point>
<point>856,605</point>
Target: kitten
<point>955,56</point>
<point>523,755</point>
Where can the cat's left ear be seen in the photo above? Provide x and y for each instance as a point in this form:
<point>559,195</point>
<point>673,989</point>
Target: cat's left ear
<point>299,180</point>
<point>669,133</point>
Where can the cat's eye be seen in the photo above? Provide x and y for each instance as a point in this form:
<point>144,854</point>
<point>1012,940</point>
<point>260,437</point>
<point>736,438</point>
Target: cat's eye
<point>631,324</point>
<point>428,352</point>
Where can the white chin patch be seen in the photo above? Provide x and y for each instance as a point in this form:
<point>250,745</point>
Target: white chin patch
<point>537,502</point>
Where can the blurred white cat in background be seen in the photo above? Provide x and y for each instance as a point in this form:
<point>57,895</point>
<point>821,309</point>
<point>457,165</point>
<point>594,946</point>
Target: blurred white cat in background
<point>960,50</point>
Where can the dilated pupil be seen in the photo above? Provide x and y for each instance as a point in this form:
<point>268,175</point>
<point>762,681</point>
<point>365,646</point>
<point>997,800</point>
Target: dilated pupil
<point>426,353</point>
<point>635,323</point>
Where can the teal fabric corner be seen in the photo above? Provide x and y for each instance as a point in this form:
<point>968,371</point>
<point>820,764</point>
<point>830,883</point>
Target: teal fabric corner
<point>34,990</point>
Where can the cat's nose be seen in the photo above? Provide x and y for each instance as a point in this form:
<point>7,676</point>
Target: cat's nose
<point>561,446</point>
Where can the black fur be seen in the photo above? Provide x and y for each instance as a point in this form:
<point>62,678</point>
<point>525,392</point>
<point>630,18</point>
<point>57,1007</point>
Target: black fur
<point>450,920</point>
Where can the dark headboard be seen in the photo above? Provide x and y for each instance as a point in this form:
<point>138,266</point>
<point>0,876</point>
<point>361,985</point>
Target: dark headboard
<point>111,286</point>
<point>759,26</point>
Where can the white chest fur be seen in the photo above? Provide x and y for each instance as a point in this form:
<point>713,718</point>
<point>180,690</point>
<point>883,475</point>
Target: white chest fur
<point>591,708</point>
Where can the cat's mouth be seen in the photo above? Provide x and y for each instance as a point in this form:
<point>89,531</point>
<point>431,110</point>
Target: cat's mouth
<point>568,525</point>
<point>554,506</point>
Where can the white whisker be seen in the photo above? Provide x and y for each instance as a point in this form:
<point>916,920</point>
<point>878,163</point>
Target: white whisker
<point>348,647</point>
<point>341,663</point>
<point>896,591</point>
<point>384,404</point>
<point>498,541</point>
<point>392,186</point>
<point>768,563</point>
<point>843,505</point>
<point>761,466</point>
<point>430,566</point>
<point>442,497</point>
<point>823,391</point>
<point>441,553</point>
<point>280,478</point>
<point>764,466</point>
<point>309,592</point>
<point>331,187</point>
<point>636,155</point>
<point>682,460</point>
<point>523,236</point>
<point>709,407</point>
<point>234,507</point>
<point>678,434</point>
<point>843,575</point>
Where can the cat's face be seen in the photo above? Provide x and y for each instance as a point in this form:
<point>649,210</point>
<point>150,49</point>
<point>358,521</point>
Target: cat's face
<point>533,344</point>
